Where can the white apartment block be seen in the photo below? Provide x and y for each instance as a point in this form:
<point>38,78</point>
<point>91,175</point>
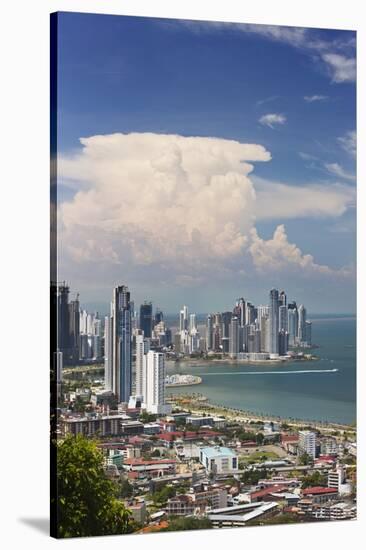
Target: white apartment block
<point>154,374</point>
<point>307,443</point>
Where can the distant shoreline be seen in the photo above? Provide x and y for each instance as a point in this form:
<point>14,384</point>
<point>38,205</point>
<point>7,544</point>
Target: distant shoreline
<point>205,362</point>
<point>244,415</point>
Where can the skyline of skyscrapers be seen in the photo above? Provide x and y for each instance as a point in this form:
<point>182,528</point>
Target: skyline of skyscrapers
<point>247,331</point>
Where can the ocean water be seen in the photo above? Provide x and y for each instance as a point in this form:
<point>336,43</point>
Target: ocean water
<point>313,390</point>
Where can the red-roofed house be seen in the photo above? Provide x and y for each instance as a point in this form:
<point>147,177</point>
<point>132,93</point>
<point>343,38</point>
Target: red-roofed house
<point>259,496</point>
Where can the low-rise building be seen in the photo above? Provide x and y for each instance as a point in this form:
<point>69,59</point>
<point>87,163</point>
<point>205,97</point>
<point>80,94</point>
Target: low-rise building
<point>336,477</point>
<point>338,511</point>
<point>211,498</point>
<point>98,424</point>
<point>138,511</point>
<point>152,428</point>
<point>180,505</point>
<point>219,460</point>
<point>200,420</point>
<point>320,494</point>
<point>242,514</point>
<point>153,468</point>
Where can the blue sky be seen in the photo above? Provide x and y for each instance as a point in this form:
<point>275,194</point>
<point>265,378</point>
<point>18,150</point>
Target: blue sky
<point>290,91</point>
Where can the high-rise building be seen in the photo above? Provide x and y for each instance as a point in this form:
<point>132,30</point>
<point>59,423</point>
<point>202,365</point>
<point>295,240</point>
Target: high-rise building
<point>262,312</point>
<point>225,332</point>
<point>209,333</point>
<point>183,319</point>
<point>283,342</point>
<point>302,324</point>
<point>293,322</point>
<point>265,334</point>
<point>240,311</point>
<point>307,443</point>
<point>155,383</point>
<point>273,321</point>
<point>146,317</point>
<point>194,341</point>
<point>63,319</point>
<point>159,317</point>
<point>74,330</point>
<point>283,318</point>
<point>282,298</point>
<point>234,337</point>
<point>142,348</point>
<point>108,354</point>
<point>121,342</point>
<point>192,322</point>
<point>177,343</point>
<point>250,314</point>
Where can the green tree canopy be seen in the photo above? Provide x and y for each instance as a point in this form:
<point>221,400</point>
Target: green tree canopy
<point>305,459</point>
<point>126,489</point>
<point>314,480</point>
<point>86,498</point>
<point>188,524</point>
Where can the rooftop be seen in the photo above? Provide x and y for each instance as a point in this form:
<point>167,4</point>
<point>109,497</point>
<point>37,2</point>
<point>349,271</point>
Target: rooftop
<point>319,491</point>
<point>212,452</point>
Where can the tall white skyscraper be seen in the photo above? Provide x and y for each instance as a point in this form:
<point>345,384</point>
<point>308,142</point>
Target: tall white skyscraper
<point>192,322</point>
<point>273,321</point>
<point>155,383</point>
<point>183,319</point>
<point>234,337</point>
<point>142,348</point>
<point>263,312</point>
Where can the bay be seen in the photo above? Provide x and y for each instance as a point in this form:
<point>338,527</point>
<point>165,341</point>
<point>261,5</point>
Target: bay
<point>322,390</point>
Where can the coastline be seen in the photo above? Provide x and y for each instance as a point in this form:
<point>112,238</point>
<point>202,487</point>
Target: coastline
<point>241,415</point>
<point>206,362</point>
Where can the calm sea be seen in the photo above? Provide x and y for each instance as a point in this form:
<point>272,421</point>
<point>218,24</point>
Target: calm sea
<point>308,390</point>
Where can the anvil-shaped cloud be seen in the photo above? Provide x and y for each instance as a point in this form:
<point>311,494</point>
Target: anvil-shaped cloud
<point>185,205</point>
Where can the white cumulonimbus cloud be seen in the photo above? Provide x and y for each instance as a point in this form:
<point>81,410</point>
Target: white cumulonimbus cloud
<point>182,207</point>
<point>279,254</point>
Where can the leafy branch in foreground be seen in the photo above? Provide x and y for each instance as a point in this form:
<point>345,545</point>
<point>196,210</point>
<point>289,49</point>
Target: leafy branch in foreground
<point>87,503</point>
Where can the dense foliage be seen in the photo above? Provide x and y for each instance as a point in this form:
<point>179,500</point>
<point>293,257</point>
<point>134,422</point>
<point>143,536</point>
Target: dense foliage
<point>316,479</point>
<point>87,503</point>
<point>188,524</point>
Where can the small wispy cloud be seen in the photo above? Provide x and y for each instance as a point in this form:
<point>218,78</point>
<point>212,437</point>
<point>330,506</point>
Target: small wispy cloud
<point>272,119</point>
<point>267,100</point>
<point>312,98</point>
<point>307,156</point>
<point>343,68</point>
<point>337,56</point>
<point>348,142</point>
<point>336,170</point>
